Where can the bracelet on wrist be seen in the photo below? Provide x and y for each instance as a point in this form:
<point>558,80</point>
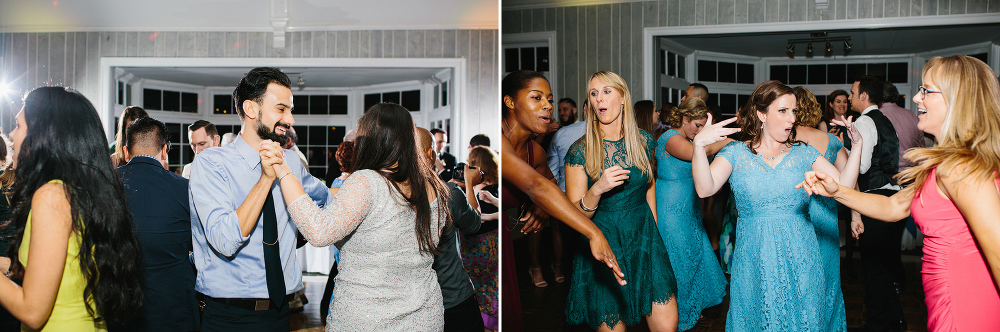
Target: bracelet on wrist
<point>283,175</point>
<point>585,208</point>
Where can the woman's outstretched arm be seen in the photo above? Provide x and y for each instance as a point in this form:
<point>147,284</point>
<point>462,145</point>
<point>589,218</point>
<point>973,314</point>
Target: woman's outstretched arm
<point>550,198</point>
<point>892,208</point>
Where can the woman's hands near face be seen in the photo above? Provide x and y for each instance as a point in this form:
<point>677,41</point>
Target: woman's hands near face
<point>714,132</point>
<point>852,131</point>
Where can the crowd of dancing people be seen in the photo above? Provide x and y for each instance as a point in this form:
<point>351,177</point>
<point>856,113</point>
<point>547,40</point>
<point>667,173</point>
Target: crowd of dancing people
<point>631,180</point>
<point>123,244</point>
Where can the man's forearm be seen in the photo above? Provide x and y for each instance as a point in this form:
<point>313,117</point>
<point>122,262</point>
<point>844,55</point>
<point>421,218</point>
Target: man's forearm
<point>249,212</point>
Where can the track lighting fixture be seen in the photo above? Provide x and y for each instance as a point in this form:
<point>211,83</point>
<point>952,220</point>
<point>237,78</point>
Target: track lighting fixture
<point>819,37</point>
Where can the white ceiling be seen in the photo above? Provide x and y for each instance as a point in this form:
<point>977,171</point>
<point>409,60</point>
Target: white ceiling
<point>314,77</point>
<point>864,42</point>
<point>244,15</point>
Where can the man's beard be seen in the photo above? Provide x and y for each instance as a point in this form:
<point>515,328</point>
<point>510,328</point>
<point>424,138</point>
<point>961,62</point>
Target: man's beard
<point>268,133</point>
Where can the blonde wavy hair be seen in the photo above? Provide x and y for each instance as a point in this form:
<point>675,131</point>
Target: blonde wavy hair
<point>970,134</point>
<point>635,143</point>
<point>692,108</point>
<point>809,111</point>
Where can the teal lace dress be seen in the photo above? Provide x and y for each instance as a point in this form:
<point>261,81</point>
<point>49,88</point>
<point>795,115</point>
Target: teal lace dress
<point>777,274</point>
<point>823,211</point>
<point>700,282</point>
<point>624,216</point>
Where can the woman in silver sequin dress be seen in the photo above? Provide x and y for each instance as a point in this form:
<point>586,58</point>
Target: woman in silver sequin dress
<point>386,219</point>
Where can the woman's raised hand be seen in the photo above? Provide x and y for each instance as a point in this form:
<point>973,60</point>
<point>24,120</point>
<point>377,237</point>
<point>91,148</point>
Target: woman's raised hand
<point>613,176</point>
<point>714,132</point>
<point>852,131</point>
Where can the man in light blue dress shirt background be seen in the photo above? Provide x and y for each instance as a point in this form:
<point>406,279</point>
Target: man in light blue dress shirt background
<point>565,137</point>
<point>228,190</point>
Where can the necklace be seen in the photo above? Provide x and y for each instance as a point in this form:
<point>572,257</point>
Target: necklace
<point>776,155</point>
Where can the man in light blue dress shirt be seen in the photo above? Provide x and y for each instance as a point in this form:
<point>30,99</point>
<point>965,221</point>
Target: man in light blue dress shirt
<point>566,136</point>
<point>228,191</point>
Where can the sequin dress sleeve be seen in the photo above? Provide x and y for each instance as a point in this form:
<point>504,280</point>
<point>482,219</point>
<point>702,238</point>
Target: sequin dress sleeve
<point>324,226</point>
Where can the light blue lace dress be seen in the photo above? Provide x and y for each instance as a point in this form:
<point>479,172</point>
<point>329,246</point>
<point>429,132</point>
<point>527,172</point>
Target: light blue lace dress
<point>823,211</point>
<point>700,282</point>
<point>624,216</point>
<point>777,277</point>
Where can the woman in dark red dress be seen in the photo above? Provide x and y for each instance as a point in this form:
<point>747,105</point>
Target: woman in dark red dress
<point>527,110</point>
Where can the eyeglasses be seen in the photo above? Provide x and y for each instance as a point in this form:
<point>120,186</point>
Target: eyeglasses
<point>924,91</point>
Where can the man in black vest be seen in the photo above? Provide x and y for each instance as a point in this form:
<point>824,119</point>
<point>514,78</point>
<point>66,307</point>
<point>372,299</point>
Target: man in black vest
<point>881,240</point>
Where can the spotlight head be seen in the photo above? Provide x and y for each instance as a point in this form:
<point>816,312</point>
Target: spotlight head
<point>847,45</point>
<point>791,48</point>
<point>829,48</point>
<point>809,48</point>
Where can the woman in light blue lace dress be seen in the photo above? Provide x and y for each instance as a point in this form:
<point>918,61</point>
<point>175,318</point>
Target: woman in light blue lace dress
<point>777,281</point>
<point>700,282</point>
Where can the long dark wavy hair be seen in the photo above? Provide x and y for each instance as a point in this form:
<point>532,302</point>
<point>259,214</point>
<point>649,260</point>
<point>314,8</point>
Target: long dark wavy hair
<point>386,144</point>
<point>65,141</point>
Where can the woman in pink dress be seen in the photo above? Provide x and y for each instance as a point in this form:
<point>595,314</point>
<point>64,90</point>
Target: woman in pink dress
<point>953,195</point>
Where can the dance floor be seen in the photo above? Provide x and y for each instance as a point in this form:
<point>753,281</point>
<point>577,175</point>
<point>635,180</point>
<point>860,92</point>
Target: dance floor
<point>309,319</point>
<point>543,307</point>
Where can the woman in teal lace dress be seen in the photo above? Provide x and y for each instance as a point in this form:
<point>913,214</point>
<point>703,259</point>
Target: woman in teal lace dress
<point>700,282</point>
<point>610,177</point>
<point>823,210</point>
<point>777,281</point>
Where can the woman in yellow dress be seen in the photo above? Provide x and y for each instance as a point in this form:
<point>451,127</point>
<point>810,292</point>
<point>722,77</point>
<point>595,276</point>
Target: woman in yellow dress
<point>81,273</point>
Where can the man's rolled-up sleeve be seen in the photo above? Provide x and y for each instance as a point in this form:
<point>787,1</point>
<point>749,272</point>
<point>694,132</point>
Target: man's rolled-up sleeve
<point>215,205</point>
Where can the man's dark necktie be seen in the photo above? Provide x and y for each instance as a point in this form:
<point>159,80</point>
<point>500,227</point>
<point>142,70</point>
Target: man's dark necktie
<point>272,258</point>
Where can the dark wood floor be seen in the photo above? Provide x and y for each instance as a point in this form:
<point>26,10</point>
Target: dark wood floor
<point>309,319</point>
<point>543,307</point>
